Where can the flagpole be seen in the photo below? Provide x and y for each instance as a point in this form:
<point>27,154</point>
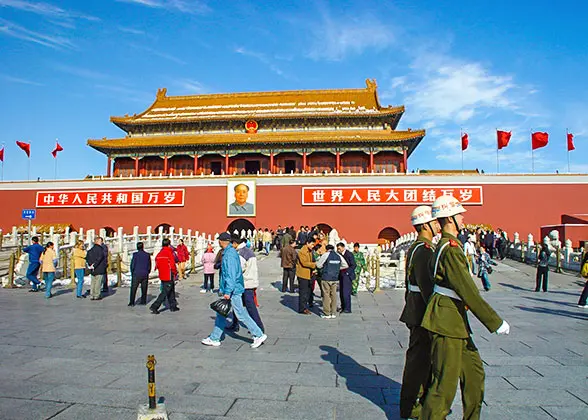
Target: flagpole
<point>532,154</point>
<point>497,161</point>
<point>461,141</point>
<point>567,146</point>
<point>56,167</point>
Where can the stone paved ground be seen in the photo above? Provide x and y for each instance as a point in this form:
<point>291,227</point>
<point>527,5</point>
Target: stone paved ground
<point>67,358</point>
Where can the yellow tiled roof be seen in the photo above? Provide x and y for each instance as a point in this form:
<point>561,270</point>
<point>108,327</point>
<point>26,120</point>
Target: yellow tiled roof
<point>271,137</point>
<point>256,105</point>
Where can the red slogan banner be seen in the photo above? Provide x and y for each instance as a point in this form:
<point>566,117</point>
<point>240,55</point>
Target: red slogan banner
<point>111,198</point>
<point>388,195</point>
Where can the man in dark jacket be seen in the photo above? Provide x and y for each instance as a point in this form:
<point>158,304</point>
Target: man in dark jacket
<point>105,276</point>
<point>97,263</point>
<point>289,257</point>
<point>140,269</point>
<point>346,277</point>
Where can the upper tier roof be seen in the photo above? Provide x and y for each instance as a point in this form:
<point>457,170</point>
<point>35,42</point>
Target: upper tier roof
<point>261,105</point>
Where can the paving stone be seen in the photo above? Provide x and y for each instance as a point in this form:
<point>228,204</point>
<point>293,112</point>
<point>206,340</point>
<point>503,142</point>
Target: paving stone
<point>93,412</point>
<point>250,390</point>
<point>18,409</point>
<point>94,361</point>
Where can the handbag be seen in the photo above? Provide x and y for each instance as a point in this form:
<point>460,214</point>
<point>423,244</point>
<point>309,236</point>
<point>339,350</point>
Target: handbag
<point>584,272</point>
<point>490,270</point>
<point>221,306</point>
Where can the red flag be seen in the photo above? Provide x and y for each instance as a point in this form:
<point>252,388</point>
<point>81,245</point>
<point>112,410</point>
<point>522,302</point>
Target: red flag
<point>26,147</point>
<point>503,138</point>
<point>571,142</point>
<point>539,140</point>
<point>58,148</point>
<point>465,141</point>
<point>2,155</point>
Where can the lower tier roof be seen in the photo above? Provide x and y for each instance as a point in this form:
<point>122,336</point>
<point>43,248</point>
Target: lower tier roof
<point>261,140</point>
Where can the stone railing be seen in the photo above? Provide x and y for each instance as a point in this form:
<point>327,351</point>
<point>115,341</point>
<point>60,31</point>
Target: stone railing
<point>562,257</point>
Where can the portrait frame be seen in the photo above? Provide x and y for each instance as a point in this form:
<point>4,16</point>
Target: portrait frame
<point>250,206</point>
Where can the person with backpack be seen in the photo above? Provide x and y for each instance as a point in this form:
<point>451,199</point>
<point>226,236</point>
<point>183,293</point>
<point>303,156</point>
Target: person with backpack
<point>330,264</point>
<point>542,267</point>
<point>484,268</point>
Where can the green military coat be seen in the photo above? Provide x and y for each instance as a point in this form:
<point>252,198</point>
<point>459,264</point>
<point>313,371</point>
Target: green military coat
<point>418,259</point>
<point>447,316</point>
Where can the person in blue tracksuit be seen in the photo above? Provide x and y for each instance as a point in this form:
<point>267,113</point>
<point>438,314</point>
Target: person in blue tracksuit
<point>34,250</point>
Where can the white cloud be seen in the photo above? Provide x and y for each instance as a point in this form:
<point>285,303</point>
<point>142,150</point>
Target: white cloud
<point>20,80</point>
<point>190,86</point>
<point>445,89</point>
<point>336,37</point>
<point>160,54</point>
<point>130,30</point>
<point>14,30</point>
<point>46,9</point>
<point>80,72</point>
<point>185,6</point>
<point>262,58</point>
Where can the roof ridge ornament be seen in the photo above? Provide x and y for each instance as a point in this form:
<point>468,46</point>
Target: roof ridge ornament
<point>161,93</point>
<point>371,84</point>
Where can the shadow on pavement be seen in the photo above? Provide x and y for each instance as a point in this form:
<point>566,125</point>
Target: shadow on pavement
<point>556,302</point>
<point>512,286</point>
<point>362,381</point>
<point>560,312</point>
<point>290,301</point>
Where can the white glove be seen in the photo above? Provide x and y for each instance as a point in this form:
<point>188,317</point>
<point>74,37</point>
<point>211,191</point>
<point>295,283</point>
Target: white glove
<point>503,329</point>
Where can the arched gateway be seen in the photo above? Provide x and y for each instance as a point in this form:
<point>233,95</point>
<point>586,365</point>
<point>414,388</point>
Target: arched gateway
<point>239,225</point>
<point>388,235</point>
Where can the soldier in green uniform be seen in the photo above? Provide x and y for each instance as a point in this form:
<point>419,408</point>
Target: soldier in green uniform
<point>419,287</point>
<point>454,357</point>
<point>360,265</point>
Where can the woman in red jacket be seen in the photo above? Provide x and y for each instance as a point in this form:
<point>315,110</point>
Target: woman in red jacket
<point>183,256</point>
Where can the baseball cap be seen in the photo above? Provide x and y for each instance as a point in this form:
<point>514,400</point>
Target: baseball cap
<point>225,236</point>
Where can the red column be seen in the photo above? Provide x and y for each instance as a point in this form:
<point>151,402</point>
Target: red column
<point>371,160</point>
<point>271,168</point>
<point>195,164</point>
<point>109,167</point>
<point>304,161</point>
<point>338,162</point>
<point>227,169</point>
<point>165,165</point>
<point>404,160</point>
<point>136,166</point>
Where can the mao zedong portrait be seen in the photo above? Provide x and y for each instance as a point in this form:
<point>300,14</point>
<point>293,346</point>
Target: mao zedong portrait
<point>240,207</point>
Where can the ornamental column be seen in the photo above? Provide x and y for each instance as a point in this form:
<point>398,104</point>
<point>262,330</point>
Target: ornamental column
<point>136,166</point>
<point>338,162</point>
<point>227,169</point>
<point>165,169</point>
<point>109,167</point>
<point>371,161</point>
<point>271,166</point>
<point>196,164</point>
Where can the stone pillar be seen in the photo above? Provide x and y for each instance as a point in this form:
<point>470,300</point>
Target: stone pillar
<point>81,234</point>
<point>102,233</point>
<point>66,236</point>
<point>14,236</point>
<point>171,235</point>
<point>120,239</point>
<point>136,234</point>
<point>73,238</point>
<point>149,236</point>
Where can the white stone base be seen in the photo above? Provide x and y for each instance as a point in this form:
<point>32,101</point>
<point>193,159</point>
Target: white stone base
<point>158,413</point>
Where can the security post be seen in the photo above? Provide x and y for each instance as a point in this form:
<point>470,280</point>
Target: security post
<point>151,362</point>
<point>152,411</point>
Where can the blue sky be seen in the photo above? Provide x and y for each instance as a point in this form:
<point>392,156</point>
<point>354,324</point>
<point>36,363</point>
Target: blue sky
<point>67,66</point>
